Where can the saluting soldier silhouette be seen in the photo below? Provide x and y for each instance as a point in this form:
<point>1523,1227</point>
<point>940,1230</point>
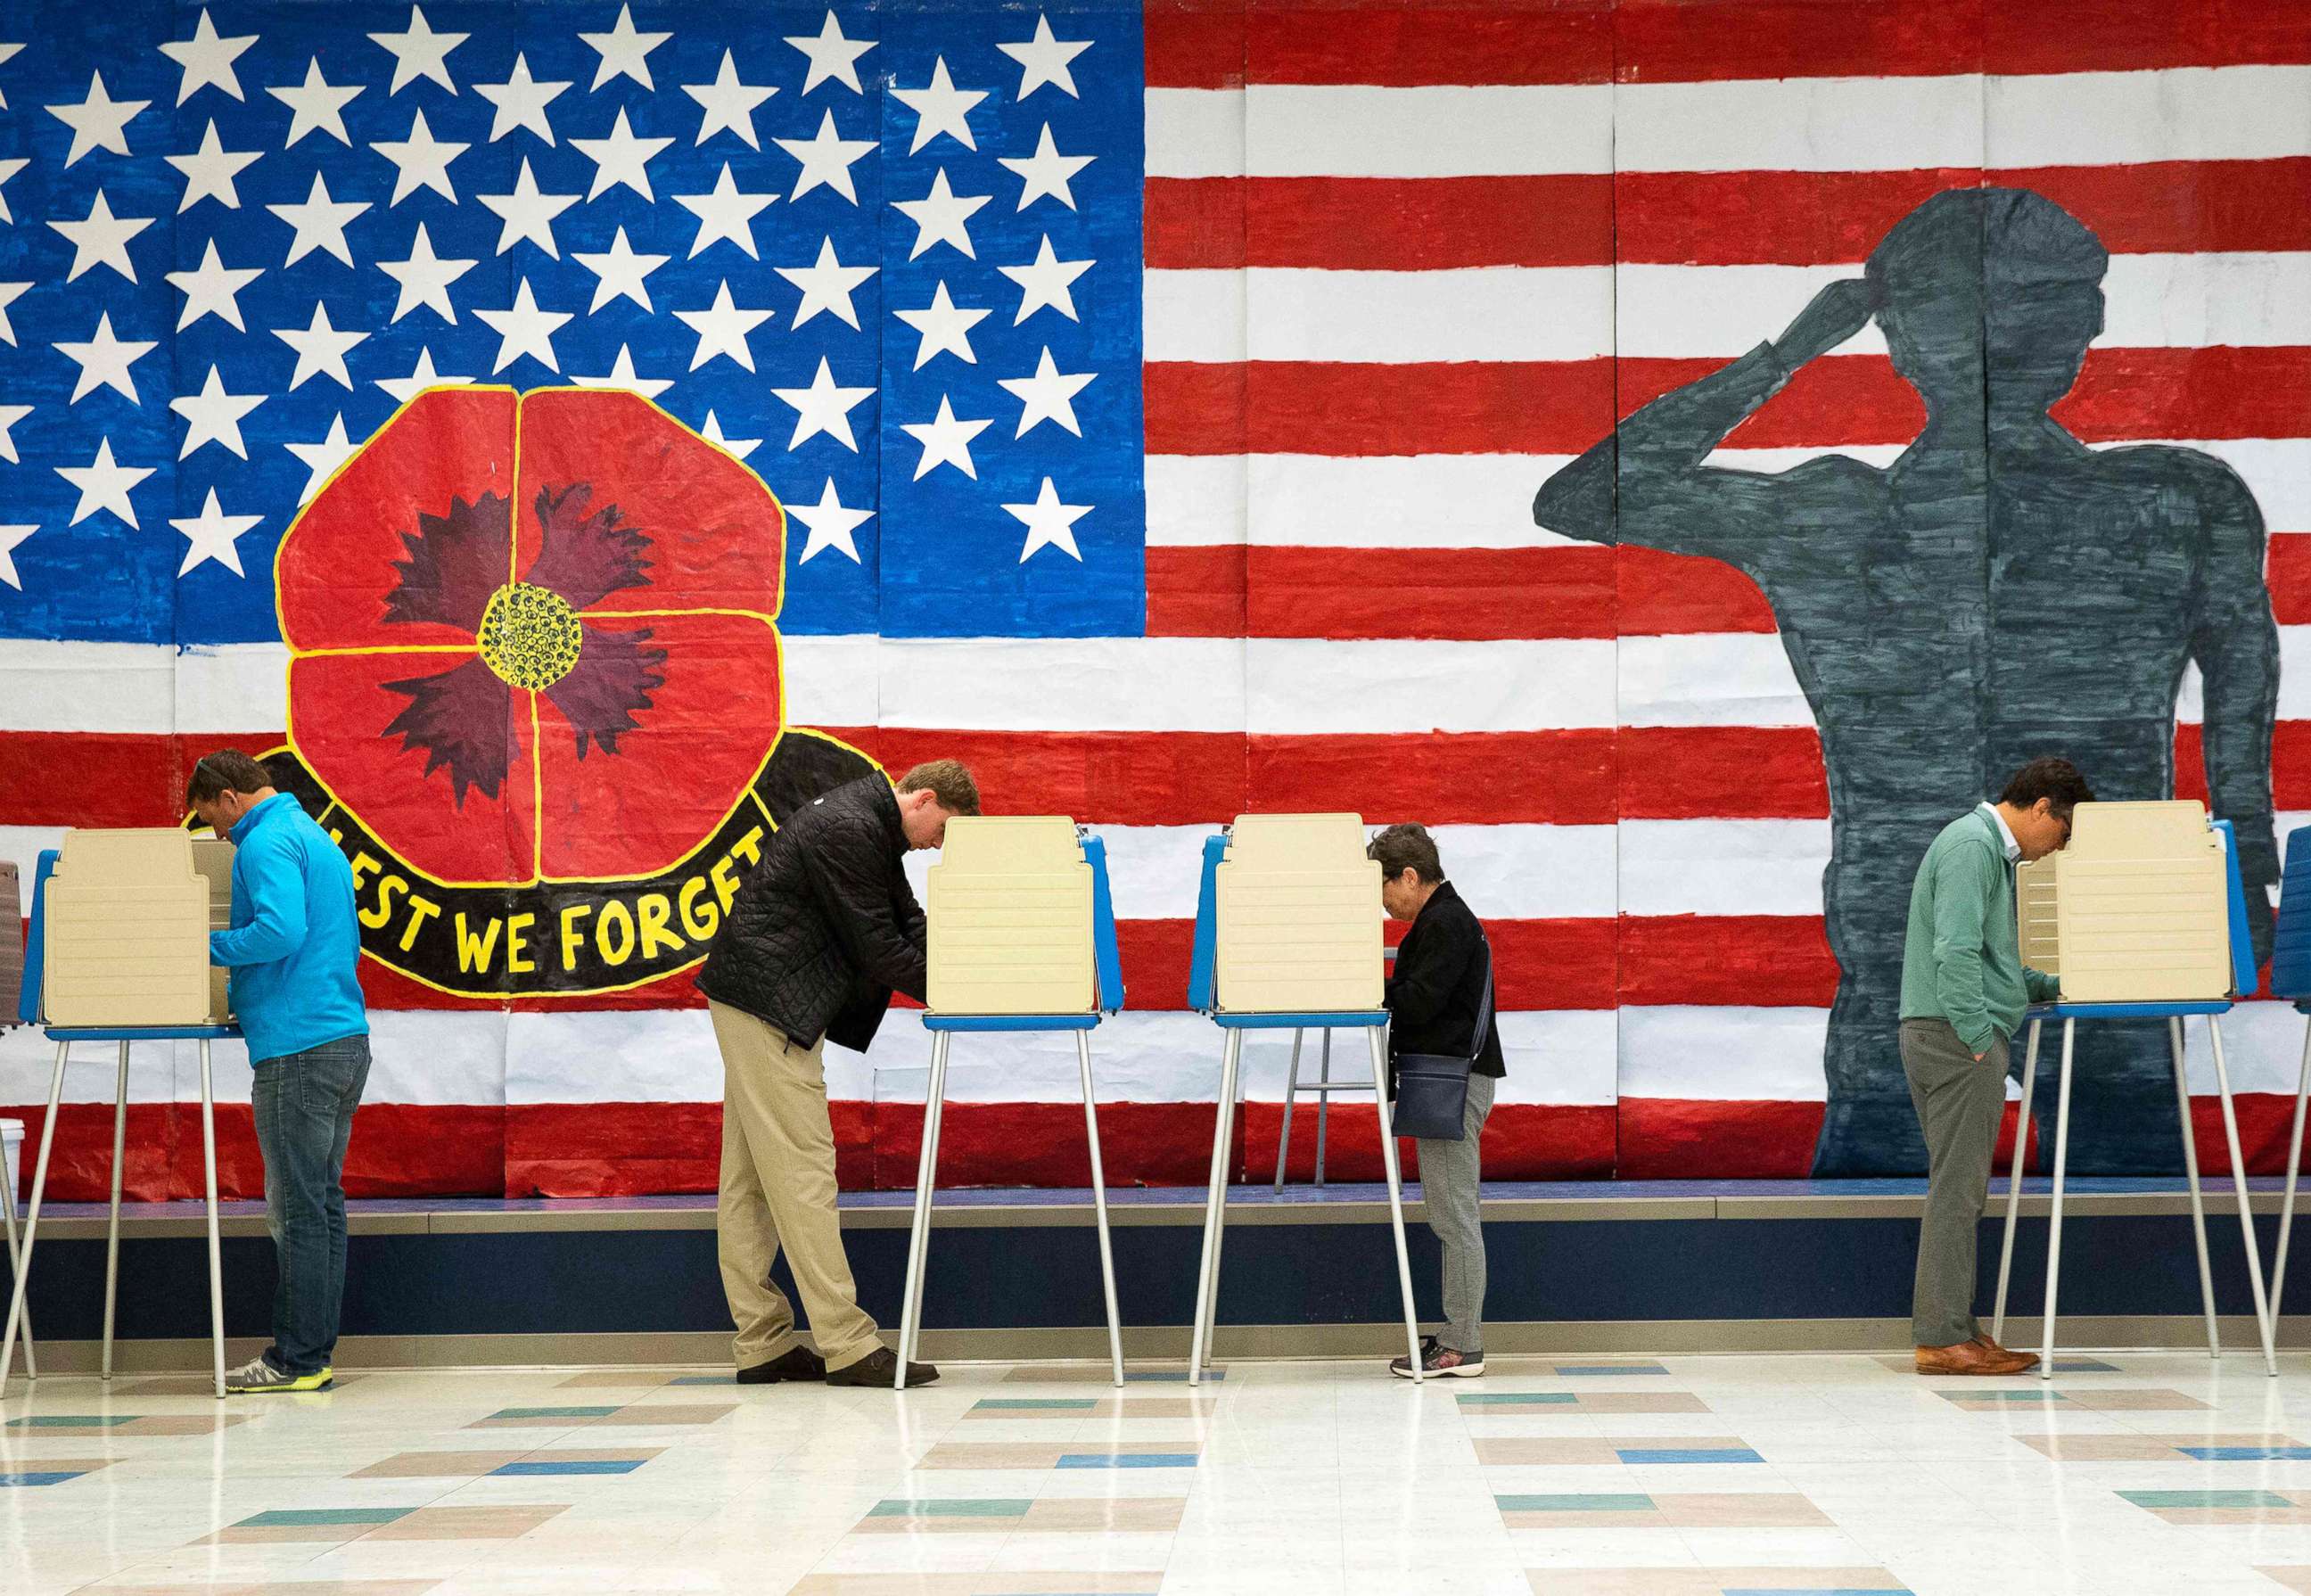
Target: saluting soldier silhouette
<point>2000,592</point>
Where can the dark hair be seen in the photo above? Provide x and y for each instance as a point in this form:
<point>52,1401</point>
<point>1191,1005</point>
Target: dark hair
<point>1407,847</point>
<point>226,771</point>
<point>949,780</point>
<point>2057,781</point>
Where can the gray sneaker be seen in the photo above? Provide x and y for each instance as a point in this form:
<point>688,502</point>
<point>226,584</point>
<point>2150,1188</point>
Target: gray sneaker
<point>258,1375</point>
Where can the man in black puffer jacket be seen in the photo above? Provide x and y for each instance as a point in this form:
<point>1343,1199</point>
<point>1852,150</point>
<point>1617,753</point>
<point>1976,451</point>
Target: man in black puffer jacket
<point>821,934</point>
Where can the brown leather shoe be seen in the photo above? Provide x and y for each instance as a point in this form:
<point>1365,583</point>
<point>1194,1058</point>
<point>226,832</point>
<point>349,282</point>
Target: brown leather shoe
<point>1984,1339</point>
<point>1971,1358</point>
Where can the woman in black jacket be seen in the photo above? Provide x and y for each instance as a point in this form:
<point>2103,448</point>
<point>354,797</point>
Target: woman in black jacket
<point>1435,995</point>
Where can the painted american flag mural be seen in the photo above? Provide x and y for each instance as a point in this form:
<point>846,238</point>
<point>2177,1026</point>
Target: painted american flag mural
<point>1158,401</point>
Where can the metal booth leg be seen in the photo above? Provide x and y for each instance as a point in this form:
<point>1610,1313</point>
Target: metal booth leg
<point>15,1270</point>
<point>112,1227</point>
<point>32,1225</point>
<point>216,1248</point>
<point>1099,1207</point>
<point>2014,1182</point>
<point>1291,1090</point>
<point>926,1175</point>
<point>1395,1199</point>
<point>2287,1210</point>
<point>2191,1175</point>
<point>2263,1315</point>
<point>1214,1202</point>
<point>2054,1222</point>
<point>1324,1100</point>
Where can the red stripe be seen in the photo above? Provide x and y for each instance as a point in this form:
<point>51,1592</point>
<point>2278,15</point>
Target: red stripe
<point>1740,218</point>
<point>1196,591</point>
<point>1193,44</point>
<point>1355,408</point>
<point>1343,41</point>
<point>1768,218</point>
<point>619,1150</point>
<point>1674,40</point>
<point>1777,961</point>
<point>1501,594</point>
<point>1381,224</point>
<point>1648,41</point>
<point>398,1150</point>
<point>635,1149</point>
<point>1469,594</point>
<point>2287,573</point>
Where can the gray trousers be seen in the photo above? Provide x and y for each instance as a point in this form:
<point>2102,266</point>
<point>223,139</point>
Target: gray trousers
<point>1960,1103</point>
<point>1450,1185</point>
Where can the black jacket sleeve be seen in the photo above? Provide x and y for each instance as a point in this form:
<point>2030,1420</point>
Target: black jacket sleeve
<point>852,874</point>
<point>1430,969</point>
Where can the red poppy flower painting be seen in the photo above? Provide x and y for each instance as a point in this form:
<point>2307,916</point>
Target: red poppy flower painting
<point>533,638</point>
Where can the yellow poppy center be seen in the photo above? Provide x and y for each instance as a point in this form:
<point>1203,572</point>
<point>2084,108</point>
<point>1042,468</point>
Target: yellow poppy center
<point>530,636</point>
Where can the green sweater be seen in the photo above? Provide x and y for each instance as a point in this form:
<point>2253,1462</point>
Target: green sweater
<point>1960,962</point>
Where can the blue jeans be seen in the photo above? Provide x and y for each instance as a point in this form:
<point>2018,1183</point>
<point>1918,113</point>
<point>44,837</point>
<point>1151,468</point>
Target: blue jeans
<point>304,1104</point>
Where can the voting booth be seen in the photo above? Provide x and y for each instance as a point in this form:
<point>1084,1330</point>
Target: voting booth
<point>118,952</point>
<point>1289,938</point>
<point>2141,916</point>
<point>1021,937</point>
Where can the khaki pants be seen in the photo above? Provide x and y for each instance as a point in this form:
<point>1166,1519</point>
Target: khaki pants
<point>1960,1102</point>
<point>778,1190</point>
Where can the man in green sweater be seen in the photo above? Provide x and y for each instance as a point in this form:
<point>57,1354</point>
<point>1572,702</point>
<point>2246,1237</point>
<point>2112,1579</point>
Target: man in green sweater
<point>1964,990</point>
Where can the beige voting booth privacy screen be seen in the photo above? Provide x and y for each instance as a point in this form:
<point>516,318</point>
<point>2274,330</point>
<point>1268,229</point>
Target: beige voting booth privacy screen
<point>1010,915</point>
<point>127,918</point>
<point>1299,916</point>
<point>2135,910</point>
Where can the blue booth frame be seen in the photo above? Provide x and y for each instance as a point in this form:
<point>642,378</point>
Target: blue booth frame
<point>28,1010</point>
<point>2290,978</point>
<point>1107,969</point>
<point>2244,981</point>
<point>1203,998</point>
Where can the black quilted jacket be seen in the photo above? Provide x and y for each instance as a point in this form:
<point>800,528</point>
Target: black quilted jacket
<point>825,928</point>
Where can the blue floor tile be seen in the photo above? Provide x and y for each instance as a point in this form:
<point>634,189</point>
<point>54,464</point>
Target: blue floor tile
<point>588,1466</point>
<point>1127,1460</point>
<point>39,1477</point>
<point>1687,1454</point>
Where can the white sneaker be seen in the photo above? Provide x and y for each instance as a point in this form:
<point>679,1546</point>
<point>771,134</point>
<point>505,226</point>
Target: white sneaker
<point>258,1375</point>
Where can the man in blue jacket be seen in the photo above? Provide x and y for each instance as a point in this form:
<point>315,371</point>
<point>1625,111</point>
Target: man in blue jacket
<point>292,950</point>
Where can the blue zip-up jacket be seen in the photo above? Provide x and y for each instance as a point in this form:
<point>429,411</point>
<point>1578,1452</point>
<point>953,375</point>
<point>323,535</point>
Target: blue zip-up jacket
<point>294,943</point>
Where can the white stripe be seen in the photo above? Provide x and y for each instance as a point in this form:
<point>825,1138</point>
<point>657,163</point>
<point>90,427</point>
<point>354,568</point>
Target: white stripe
<point>2118,118</point>
<point>1297,130</point>
<point>1728,678</point>
<point>1720,311</point>
<point>1485,501</point>
<point>1496,313</point>
<point>1770,1055</point>
<point>670,1056</point>
<point>1574,313</point>
<point>1744,679</point>
<point>2276,470</point>
<point>1722,867</point>
<point>243,687</point>
<point>1282,686</point>
<point>416,1056</point>
<point>1513,872</point>
<point>1799,125</point>
<point>1195,133</point>
<point>1854,124</point>
<point>1303,686</point>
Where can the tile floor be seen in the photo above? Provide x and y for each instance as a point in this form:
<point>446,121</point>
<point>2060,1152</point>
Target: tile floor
<point>1677,1476</point>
